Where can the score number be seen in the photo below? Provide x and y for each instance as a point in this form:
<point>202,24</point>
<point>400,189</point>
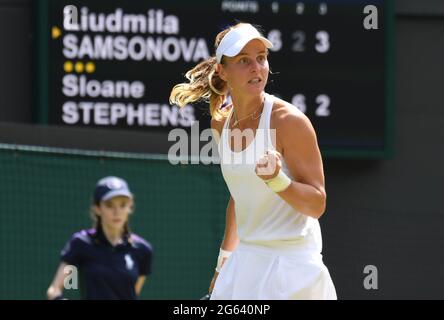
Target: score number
<point>322,37</point>
<point>322,101</point>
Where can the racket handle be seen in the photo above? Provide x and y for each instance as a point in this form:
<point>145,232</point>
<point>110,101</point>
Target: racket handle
<point>206,297</point>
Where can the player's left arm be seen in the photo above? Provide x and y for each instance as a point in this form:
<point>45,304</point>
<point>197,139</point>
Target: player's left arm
<point>301,153</point>
<point>297,144</point>
<point>139,284</point>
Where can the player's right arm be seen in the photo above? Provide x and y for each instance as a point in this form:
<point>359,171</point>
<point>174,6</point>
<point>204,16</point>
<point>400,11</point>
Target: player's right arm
<point>231,239</point>
<point>55,290</point>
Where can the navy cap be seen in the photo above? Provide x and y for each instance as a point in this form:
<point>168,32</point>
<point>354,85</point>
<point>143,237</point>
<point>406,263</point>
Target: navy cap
<point>110,187</point>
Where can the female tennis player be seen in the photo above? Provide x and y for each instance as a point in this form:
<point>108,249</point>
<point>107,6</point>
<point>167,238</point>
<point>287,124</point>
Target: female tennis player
<point>113,262</point>
<point>272,243</point>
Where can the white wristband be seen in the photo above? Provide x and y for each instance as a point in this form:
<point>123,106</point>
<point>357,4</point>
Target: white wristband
<point>279,183</point>
<point>222,255</point>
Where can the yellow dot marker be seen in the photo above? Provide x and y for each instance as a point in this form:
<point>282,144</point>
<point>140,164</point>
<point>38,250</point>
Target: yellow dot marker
<point>56,32</point>
<point>68,66</point>
<point>79,67</point>
<point>90,67</point>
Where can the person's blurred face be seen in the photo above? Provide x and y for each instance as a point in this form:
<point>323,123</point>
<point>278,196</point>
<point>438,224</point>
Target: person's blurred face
<point>247,72</point>
<point>114,212</point>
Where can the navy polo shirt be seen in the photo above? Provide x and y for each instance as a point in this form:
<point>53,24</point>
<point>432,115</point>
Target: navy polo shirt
<point>107,271</point>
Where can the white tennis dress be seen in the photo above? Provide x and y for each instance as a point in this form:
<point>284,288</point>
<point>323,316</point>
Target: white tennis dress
<point>279,254</point>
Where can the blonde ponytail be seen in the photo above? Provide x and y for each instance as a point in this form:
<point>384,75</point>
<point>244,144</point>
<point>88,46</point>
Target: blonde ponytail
<point>204,85</point>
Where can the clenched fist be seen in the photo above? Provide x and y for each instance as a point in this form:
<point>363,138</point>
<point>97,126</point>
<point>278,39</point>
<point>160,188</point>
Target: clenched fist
<point>268,165</point>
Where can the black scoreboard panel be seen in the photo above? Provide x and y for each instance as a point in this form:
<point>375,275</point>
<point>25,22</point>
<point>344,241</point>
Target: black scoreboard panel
<point>114,66</point>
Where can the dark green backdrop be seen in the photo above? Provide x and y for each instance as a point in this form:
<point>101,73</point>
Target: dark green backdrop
<point>45,197</point>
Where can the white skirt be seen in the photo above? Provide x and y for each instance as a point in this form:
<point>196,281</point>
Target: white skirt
<point>256,272</point>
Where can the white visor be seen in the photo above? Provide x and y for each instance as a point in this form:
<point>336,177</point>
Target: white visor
<point>233,42</point>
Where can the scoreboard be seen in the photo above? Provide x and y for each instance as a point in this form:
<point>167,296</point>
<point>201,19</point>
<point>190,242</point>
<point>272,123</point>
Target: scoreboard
<point>112,64</point>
